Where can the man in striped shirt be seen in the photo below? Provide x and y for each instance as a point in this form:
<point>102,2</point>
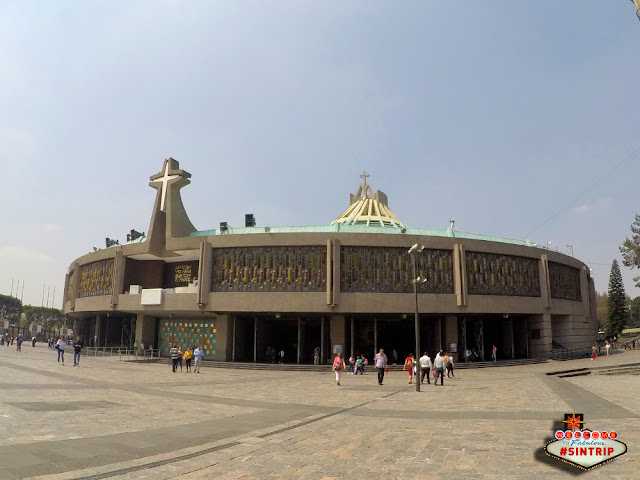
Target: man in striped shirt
<point>175,357</point>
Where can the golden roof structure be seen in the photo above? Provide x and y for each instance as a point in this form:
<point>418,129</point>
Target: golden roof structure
<point>368,208</point>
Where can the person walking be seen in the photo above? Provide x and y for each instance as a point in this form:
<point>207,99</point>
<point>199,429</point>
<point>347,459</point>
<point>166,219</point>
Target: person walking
<point>180,354</point>
<point>380,361</point>
<point>19,341</point>
<point>316,356</point>
<point>409,362</point>
<point>338,367</point>
<point>438,363</point>
<point>77,348</point>
<point>282,355</point>
<point>359,365</point>
<point>174,357</point>
<point>449,365</point>
<point>352,365</point>
<point>425,367</point>
<point>594,352</point>
<point>607,346</point>
<point>494,351</point>
<point>33,342</point>
<point>188,354</point>
<point>198,353</point>
<point>60,346</point>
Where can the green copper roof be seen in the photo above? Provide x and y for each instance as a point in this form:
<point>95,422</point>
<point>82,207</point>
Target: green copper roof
<point>337,227</point>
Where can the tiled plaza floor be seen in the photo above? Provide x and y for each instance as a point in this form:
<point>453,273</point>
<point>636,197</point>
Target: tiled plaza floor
<point>113,419</point>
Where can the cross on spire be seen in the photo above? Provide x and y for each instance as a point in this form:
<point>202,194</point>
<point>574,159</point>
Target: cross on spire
<point>364,181</point>
<point>164,180</point>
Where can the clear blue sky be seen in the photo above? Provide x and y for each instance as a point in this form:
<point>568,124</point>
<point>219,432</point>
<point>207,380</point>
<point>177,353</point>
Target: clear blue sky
<point>495,113</point>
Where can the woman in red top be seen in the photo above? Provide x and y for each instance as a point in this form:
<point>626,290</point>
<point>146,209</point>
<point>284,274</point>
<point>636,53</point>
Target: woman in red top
<point>338,367</point>
<point>408,365</point>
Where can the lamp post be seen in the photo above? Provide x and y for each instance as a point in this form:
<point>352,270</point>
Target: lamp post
<point>416,248</point>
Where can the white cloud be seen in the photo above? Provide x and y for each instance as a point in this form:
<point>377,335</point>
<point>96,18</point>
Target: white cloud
<point>599,204</point>
<point>584,208</point>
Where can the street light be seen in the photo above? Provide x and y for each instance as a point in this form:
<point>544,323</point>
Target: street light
<point>416,248</point>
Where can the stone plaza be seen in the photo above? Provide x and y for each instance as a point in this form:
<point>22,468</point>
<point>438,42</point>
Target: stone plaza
<point>116,419</point>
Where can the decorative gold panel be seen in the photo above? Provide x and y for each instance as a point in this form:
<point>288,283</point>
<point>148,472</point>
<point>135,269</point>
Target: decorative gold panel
<point>96,278</point>
<point>187,333</point>
<point>69,286</point>
<point>564,282</point>
<point>269,269</point>
<point>495,274</point>
<point>390,270</point>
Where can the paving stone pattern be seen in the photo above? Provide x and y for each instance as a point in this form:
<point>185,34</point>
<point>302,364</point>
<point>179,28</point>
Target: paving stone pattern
<point>111,419</point>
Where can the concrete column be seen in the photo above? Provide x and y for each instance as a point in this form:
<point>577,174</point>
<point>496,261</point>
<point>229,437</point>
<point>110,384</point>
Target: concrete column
<point>353,336</point>
<point>337,332</point>
<point>233,342</point>
<point>584,292</point>
<point>76,285</point>
<point>323,347</point>
<point>466,337</point>
<point>204,273</point>
<point>96,331</point>
<point>224,330</point>
<point>375,336</point>
<point>540,335</point>
<point>255,339</point>
<point>78,328</point>
<point>545,288</point>
<point>118,277</point>
<point>336,272</point>
<point>450,334</point>
<point>145,330</point>
<point>458,273</point>
<point>329,272</point>
<point>299,339</point>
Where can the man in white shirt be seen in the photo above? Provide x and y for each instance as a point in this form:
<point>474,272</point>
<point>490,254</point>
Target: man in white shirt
<point>425,367</point>
<point>438,363</point>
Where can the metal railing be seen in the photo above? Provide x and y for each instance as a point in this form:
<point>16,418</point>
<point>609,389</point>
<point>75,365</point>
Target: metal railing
<point>123,352</point>
<point>563,353</point>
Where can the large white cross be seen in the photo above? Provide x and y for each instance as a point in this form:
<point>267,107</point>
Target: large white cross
<point>164,180</point>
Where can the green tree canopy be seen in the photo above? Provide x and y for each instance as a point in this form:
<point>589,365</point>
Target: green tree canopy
<point>602,309</point>
<point>634,313</point>
<point>630,249</point>
<point>47,317</point>
<point>616,302</point>
<point>10,308</point>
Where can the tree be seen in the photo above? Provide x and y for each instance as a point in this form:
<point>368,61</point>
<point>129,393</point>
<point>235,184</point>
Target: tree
<point>634,312</point>
<point>602,310</point>
<point>617,303</point>
<point>10,308</point>
<point>630,249</point>
<point>48,318</point>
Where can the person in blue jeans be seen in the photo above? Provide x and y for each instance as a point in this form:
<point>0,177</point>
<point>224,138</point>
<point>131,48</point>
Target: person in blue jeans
<point>60,346</point>
<point>77,348</point>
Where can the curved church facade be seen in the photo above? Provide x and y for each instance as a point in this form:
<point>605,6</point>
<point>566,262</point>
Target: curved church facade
<point>346,286</point>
